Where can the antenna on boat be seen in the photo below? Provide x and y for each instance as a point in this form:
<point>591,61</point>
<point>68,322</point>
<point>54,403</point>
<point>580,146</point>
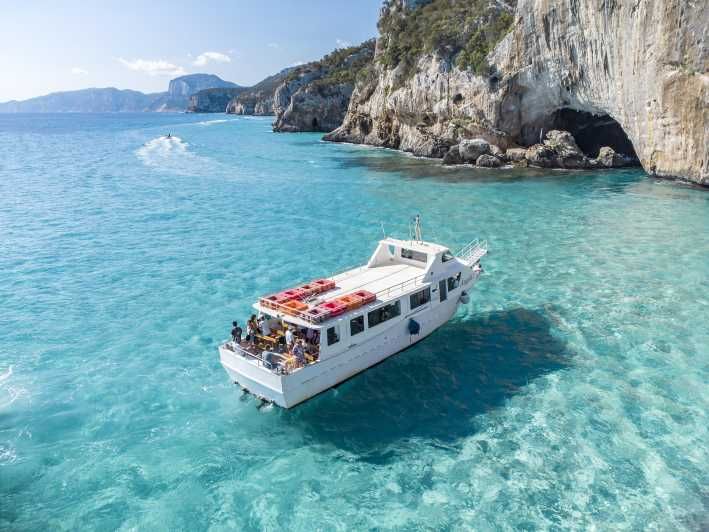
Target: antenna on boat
<point>383,231</point>
<point>417,228</point>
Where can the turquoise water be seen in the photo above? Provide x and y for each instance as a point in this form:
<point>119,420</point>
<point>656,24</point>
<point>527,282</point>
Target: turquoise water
<point>572,393</point>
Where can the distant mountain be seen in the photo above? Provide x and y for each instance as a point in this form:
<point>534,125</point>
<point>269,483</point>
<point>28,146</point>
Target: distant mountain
<point>109,100</point>
<point>112,100</point>
<point>186,86</point>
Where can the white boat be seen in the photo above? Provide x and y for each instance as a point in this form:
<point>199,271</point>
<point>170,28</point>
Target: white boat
<point>406,290</point>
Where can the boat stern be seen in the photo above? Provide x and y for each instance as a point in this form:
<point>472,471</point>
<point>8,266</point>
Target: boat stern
<point>253,374</point>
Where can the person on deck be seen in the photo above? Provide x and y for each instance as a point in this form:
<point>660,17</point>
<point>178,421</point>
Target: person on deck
<point>299,352</point>
<point>264,326</point>
<point>289,338</point>
<point>236,333</point>
<point>252,329</point>
<point>310,336</point>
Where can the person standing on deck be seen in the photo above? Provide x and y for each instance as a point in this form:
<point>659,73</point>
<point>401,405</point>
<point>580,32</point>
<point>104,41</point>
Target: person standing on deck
<point>289,338</point>
<point>264,326</point>
<point>251,329</point>
<point>299,352</point>
<point>236,333</point>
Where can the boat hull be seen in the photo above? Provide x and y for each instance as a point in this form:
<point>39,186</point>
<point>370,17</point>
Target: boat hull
<point>292,389</point>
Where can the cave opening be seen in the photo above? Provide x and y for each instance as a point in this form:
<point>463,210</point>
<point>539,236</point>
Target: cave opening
<point>592,132</point>
<point>314,123</point>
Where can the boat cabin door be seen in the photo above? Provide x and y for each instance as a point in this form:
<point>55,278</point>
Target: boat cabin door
<point>443,290</point>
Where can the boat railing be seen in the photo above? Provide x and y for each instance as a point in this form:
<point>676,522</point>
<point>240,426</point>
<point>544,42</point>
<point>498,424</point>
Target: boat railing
<point>473,251</point>
<point>400,287</point>
<point>277,366</point>
<point>241,350</point>
<point>381,294</point>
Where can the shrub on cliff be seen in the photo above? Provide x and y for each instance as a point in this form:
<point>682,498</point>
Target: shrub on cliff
<point>339,66</point>
<point>462,30</point>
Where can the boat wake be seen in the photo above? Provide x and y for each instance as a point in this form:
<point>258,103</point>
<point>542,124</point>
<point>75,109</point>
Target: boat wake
<point>171,154</point>
<point>214,122</point>
<point>8,394</point>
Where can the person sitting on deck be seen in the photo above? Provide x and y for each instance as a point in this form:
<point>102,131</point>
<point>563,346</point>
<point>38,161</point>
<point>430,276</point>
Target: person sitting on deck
<point>236,333</point>
<point>299,352</point>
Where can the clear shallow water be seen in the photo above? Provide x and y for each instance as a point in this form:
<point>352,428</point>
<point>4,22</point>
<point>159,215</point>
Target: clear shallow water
<point>571,394</point>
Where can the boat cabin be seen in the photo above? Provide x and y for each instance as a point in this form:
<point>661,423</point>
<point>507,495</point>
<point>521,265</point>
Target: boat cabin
<point>329,316</point>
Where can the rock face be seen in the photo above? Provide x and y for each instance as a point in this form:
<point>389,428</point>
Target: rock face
<point>471,150</point>
<point>180,90</point>
<point>315,107</point>
<point>516,154</point>
<point>598,58</point>
<point>315,97</point>
<point>608,158</point>
<point>186,86</point>
<point>566,151</point>
<point>213,100</point>
<point>488,161</point>
<point>259,99</point>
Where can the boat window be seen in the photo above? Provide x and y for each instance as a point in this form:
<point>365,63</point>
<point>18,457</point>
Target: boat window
<point>413,255</point>
<point>443,290</point>
<point>420,298</point>
<point>392,250</point>
<point>333,335</point>
<point>454,282</point>
<point>383,314</point>
<point>447,255</point>
<point>356,325</point>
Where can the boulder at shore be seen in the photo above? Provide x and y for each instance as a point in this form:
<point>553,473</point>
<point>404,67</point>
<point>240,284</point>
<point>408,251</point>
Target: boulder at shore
<point>488,161</point>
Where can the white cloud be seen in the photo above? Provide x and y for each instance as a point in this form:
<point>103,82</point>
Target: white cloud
<point>207,57</point>
<point>157,67</point>
<point>272,45</point>
<point>79,71</point>
<point>341,43</point>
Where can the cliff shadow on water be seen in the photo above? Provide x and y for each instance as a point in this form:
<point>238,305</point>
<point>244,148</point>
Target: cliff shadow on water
<point>435,389</point>
<point>385,161</point>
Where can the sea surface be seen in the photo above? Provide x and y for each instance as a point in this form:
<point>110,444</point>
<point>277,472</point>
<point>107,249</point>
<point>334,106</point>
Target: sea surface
<point>572,393</point>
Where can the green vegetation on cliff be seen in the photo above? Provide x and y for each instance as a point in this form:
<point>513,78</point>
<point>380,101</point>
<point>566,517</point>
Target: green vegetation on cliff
<point>463,30</point>
<point>339,66</point>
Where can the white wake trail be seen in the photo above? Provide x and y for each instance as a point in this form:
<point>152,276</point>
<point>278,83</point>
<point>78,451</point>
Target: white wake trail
<point>6,375</point>
<point>171,154</point>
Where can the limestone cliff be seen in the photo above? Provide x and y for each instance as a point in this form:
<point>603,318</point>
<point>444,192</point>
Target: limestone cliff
<point>509,72</point>
<point>213,100</point>
<point>258,99</point>
<point>315,96</point>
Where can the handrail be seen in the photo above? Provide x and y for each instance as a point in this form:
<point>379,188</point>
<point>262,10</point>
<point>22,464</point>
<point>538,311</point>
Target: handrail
<point>237,348</point>
<point>401,285</point>
<point>384,292</point>
<point>473,251</point>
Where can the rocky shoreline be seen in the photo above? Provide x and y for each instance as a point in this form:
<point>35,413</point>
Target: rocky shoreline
<point>596,70</point>
<point>540,83</point>
<point>558,150</point>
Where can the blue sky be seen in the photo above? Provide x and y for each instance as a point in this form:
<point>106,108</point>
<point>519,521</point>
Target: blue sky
<point>50,46</point>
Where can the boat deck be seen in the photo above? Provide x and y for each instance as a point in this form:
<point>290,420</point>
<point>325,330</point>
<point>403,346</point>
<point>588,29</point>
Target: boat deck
<point>386,282</point>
